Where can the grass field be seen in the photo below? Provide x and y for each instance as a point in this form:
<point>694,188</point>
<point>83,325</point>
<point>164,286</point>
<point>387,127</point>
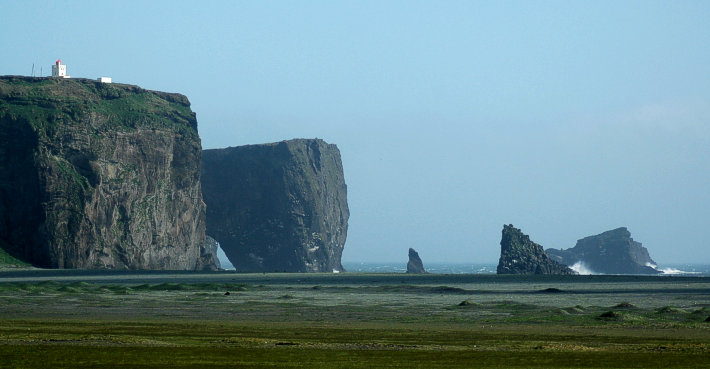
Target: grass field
<point>86,319</point>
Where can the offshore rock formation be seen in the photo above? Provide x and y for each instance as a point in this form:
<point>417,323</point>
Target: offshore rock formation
<point>208,255</point>
<point>98,175</point>
<point>519,255</point>
<point>415,265</point>
<point>277,207</point>
<point>611,252</point>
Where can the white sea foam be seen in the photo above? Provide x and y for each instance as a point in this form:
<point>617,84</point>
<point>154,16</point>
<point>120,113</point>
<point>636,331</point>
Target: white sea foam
<point>669,271</point>
<point>581,268</point>
<point>490,268</point>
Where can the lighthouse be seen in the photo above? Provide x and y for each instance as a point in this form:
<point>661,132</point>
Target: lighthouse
<point>59,69</point>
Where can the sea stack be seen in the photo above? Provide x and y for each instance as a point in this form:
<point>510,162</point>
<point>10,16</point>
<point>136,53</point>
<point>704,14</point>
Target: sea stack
<point>415,265</point>
<point>278,207</point>
<point>519,255</point>
<point>610,252</point>
<point>96,175</point>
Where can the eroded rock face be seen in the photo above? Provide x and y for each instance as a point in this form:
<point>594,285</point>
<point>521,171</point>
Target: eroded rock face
<point>519,255</point>
<point>611,252</point>
<point>279,207</point>
<point>415,265</point>
<point>98,175</point>
<point>208,255</point>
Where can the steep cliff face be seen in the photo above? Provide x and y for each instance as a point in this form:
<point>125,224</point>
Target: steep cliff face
<point>98,175</point>
<point>277,207</point>
<point>611,252</point>
<point>415,265</point>
<point>519,255</point>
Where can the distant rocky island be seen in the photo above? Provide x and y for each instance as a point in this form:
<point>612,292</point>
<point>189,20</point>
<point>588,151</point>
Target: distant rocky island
<point>415,265</point>
<point>520,255</point>
<point>277,207</point>
<point>109,176</point>
<point>611,252</point>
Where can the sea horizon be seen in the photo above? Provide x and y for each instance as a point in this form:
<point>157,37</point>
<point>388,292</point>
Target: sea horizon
<point>670,269</point>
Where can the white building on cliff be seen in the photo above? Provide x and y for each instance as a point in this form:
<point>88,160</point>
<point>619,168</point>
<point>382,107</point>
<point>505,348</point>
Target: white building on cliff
<point>59,69</point>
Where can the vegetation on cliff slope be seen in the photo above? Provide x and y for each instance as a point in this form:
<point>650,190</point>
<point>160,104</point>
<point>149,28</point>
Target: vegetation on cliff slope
<point>7,261</point>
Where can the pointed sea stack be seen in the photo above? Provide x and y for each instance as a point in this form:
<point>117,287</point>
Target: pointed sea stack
<point>415,265</point>
<point>519,255</point>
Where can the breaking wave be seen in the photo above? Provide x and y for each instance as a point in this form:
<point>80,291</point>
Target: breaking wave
<point>670,271</point>
<point>581,268</point>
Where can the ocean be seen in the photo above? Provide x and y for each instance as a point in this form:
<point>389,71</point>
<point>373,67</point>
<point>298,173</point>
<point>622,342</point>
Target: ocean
<point>436,268</point>
<point>489,268</point>
<point>475,268</point>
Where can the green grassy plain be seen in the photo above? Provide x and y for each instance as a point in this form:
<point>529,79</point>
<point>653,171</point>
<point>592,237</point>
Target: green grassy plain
<point>78,319</point>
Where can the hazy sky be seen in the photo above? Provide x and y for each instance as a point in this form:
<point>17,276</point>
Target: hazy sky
<point>564,118</point>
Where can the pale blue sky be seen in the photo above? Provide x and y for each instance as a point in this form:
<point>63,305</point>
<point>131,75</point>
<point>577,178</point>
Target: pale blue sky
<point>565,118</point>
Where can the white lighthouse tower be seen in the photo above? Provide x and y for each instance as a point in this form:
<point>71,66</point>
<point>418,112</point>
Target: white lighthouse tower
<point>59,69</point>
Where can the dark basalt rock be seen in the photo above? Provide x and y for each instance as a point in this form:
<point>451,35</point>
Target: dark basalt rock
<point>611,252</point>
<point>98,175</point>
<point>519,255</point>
<point>279,207</point>
<point>415,265</point>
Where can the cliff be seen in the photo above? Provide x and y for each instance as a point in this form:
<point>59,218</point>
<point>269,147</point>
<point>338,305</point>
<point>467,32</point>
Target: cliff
<point>611,252</point>
<point>277,207</point>
<point>519,255</point>
<point>415,265</point>
<point>98,175</point>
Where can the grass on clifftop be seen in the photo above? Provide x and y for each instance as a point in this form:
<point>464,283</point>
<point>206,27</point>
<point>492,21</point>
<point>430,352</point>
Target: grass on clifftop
<point>46,102</point>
